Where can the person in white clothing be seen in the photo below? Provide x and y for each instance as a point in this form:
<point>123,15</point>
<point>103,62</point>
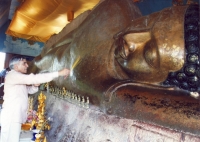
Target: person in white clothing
<point>17,86</point>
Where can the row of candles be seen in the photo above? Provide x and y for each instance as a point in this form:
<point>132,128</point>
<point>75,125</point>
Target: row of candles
<point>68,95</point>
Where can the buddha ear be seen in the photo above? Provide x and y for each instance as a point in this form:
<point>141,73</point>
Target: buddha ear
<point>138,37</point>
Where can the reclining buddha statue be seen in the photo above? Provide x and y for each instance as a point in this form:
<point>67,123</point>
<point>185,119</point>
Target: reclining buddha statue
<point>125,56</point>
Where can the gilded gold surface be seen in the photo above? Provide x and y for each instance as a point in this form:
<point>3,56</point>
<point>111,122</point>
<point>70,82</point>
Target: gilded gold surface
<point>143,50</point>
<point>41,123</point>
<point>120,49</point>
<point>158,46</point>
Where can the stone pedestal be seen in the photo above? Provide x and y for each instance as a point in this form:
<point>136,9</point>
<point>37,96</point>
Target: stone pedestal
<point>72,123</point>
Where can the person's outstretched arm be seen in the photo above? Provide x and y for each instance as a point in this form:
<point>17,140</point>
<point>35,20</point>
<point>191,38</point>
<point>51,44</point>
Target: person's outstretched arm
<point>19,78</point>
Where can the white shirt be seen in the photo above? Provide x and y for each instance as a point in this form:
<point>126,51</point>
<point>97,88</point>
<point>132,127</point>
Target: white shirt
<point>16,93</point>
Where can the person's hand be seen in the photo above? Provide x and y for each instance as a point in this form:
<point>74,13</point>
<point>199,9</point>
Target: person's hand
<point>64,72</point>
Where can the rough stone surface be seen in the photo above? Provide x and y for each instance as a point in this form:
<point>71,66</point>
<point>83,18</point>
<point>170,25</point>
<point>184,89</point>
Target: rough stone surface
<point>72,123</point>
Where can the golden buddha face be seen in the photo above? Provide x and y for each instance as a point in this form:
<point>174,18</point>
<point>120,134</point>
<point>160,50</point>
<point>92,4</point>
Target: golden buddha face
<point>152,46</point>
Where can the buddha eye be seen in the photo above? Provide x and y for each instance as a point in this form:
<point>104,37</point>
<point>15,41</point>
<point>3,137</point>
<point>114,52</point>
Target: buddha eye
<point>125,49</point>
<point>123,53</point>
<point>121,50</point>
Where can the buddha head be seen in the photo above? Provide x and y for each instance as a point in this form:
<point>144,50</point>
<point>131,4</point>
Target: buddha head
<point>162,48</point>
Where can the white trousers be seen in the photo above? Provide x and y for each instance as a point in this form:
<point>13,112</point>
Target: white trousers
<point>10,131</point>
<point>12,134</point>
